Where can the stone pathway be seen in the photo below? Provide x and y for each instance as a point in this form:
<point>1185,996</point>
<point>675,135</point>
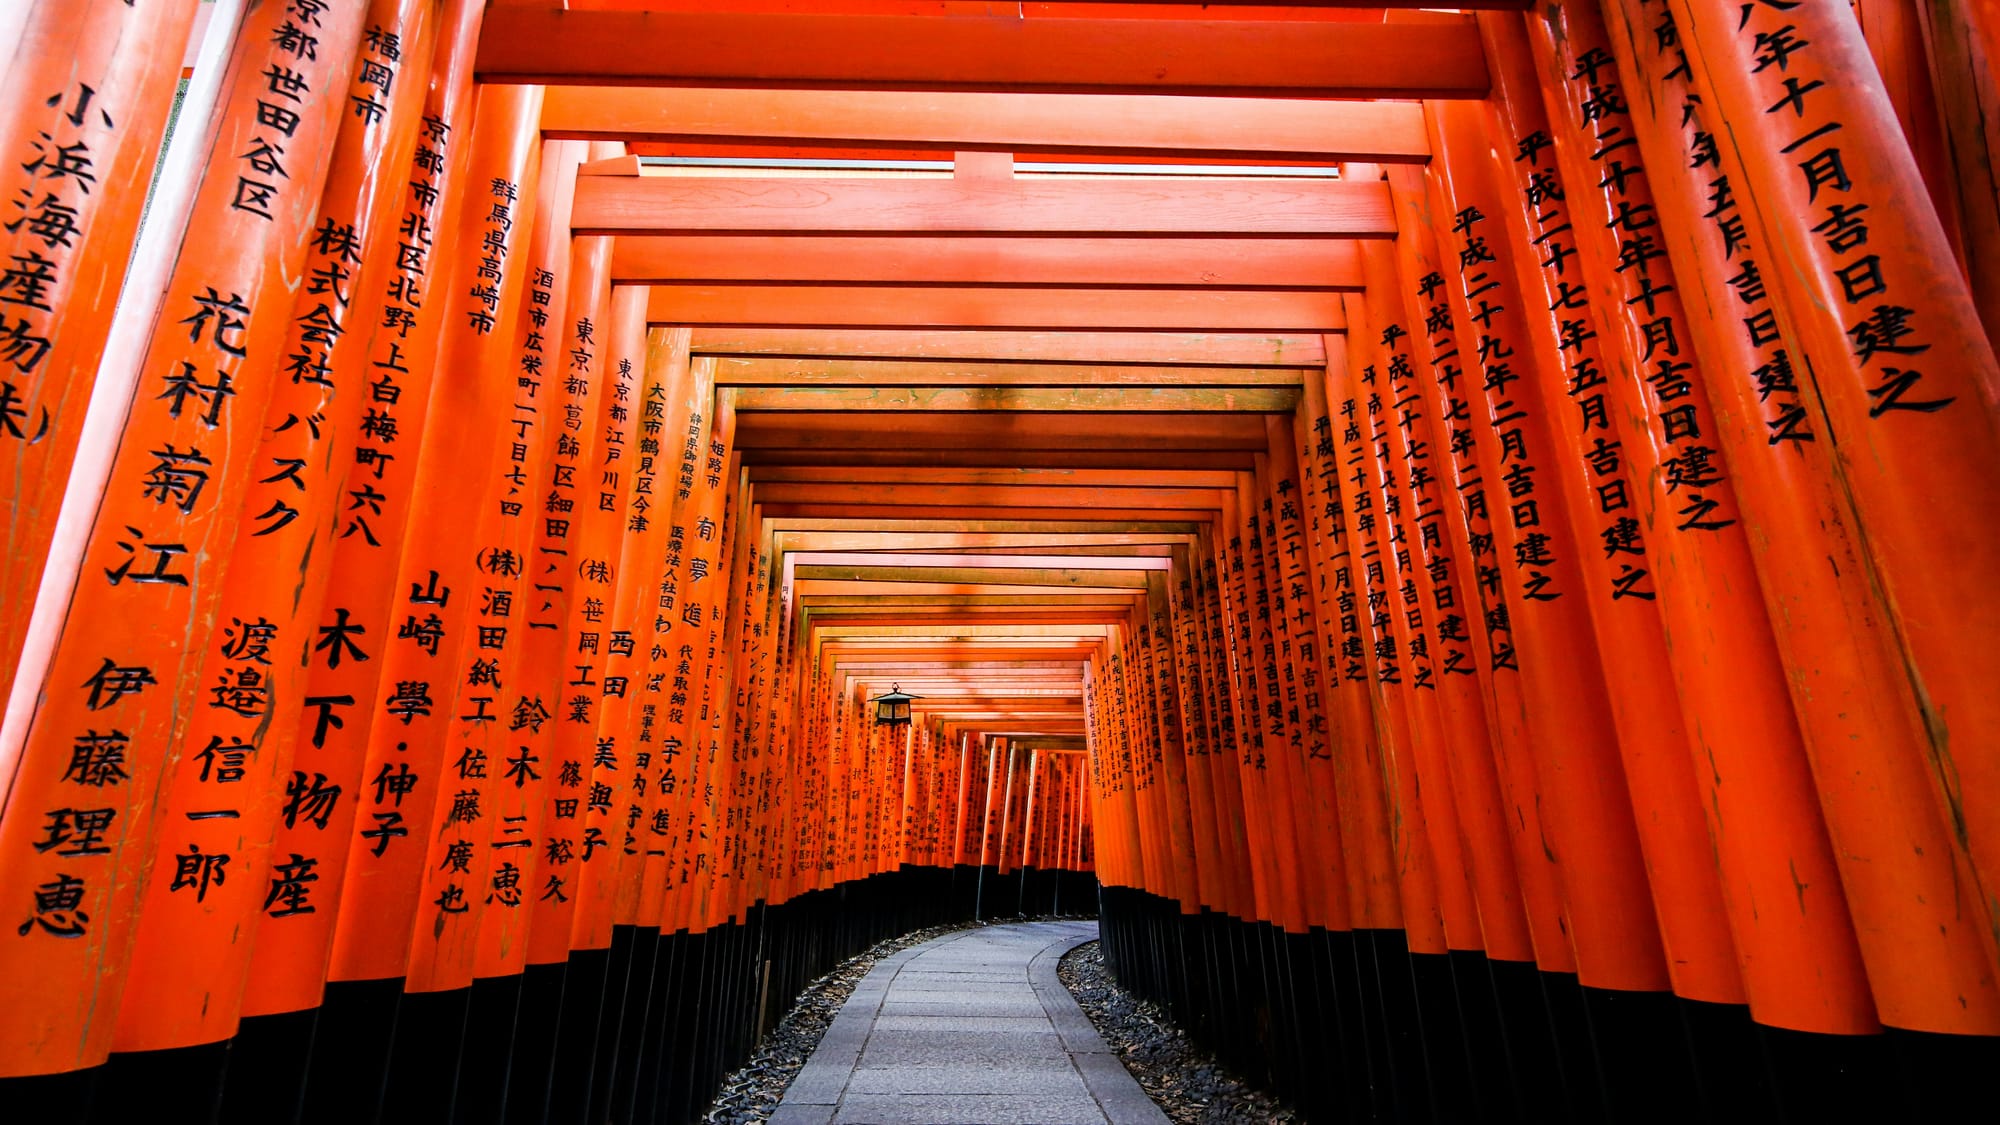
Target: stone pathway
<point>973,1027</point>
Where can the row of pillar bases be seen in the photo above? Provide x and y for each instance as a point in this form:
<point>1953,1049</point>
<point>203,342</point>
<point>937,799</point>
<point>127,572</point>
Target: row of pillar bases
<point>1353,1025</point>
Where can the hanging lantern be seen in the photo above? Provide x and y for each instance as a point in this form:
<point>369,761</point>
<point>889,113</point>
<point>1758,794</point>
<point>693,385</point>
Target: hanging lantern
<point>892,707</point>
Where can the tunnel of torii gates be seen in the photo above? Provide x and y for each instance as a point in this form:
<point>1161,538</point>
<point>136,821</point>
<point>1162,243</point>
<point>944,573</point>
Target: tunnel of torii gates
<point>1467,538</point>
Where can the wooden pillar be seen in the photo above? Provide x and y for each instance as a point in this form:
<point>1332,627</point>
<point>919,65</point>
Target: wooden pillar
<point>257,667</point>
<point>1904,379</point>
<point>407,751</point>
<point>288,964</point>
<point>87,92</point>
<point>127,662</point>
<point>1614,931</point>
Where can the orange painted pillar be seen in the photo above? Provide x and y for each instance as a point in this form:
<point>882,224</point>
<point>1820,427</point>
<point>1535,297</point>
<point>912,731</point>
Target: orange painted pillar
<point>494,703</point>
<point>1170,754</point>
<point>288,961</point>
<point>672,417</point>
<point>87,91</point>
<point>1269,852</point>
<point>1963,43</point>
<point>602,475</point>
<point>82,811</point>
<point>1904,378</point>
<point>1906,876</point>
<point>1190,678</point>
<point>1488,630</point>
<point>1161,714</point>
<point>1212,634</point>
<point>1452,750</point>
<point>1669,564</point>
<point>238,745</point>
<point>1613,929</point>
<point>1362,592</point>
<point>1356,766</point>
<point>1895,35</point>
<point>564,601</point>
<point>702,581</point>
<point>1402,662</point>
<point>1308,747</point>
<point>437,581</point>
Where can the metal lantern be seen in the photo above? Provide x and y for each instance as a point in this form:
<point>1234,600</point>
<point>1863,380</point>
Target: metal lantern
<point>892,707</point>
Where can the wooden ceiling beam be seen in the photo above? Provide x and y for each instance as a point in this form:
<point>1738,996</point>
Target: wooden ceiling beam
<point>1068,124</point>
<point>1298,58</point>
<point>832,540</point>
<point>981,512</point>
<point>875,589</point>
<point>881,306</point>
<point>1190,263</point>
<point>740,371</point>
<point>981,527</point>
<point>990,496</point>
<point>829,605</point>
<point>978,649</point>
<point>1050,577</point>
<point>1141,459</point>
<point>1077,400</point>
<point>1130,205</point>
<point>951,475</point>
<point>1261,349</point>
<point>1106,561</point>
<point>1013,431</point>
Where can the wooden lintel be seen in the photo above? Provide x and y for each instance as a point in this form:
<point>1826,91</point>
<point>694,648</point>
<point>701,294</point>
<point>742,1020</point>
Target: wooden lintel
<point>1073,124</point>
<point>954,475</point>
<point>990,496</point>
<point>1115,262</point>
<point>1083,400</point>
<point>1012,430</point>
<point>1052,309</point>
<point>986,511</point>
<point>747,371</point>
<point>954,559</point>
<point>872,588</point>
<point>836,540</point>
<point>983,576</point>
<point>969,527</point>
<point>986,456</point>
<point>552,46</point>
<point>1133,205</point>
<point>1261,349</point>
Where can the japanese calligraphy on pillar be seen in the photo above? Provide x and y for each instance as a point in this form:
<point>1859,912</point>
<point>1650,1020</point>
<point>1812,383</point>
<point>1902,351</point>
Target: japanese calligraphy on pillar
<point>1454,430</point>
<point>1776,374</point>
<point>243,731</point>
<point>92,88</point>
<point>79,825</point>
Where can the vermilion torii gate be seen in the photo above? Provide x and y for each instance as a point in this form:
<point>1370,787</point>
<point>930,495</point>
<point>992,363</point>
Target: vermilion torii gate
<point>1465,537</point>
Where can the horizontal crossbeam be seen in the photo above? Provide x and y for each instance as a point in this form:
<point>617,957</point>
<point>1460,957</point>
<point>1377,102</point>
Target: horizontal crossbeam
<point>1298,58</point>
<point>1073,124</point>
<point>991,206</point>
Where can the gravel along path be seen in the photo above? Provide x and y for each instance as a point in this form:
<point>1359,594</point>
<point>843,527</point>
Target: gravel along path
<point>1188,1083</point>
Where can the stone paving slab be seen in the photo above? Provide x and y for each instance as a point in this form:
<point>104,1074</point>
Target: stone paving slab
<point>1029,1005</point>
<point>948,1080</point>
<point>972,1027</point>
<point>986,1025</point>
<point>969,1109</point>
